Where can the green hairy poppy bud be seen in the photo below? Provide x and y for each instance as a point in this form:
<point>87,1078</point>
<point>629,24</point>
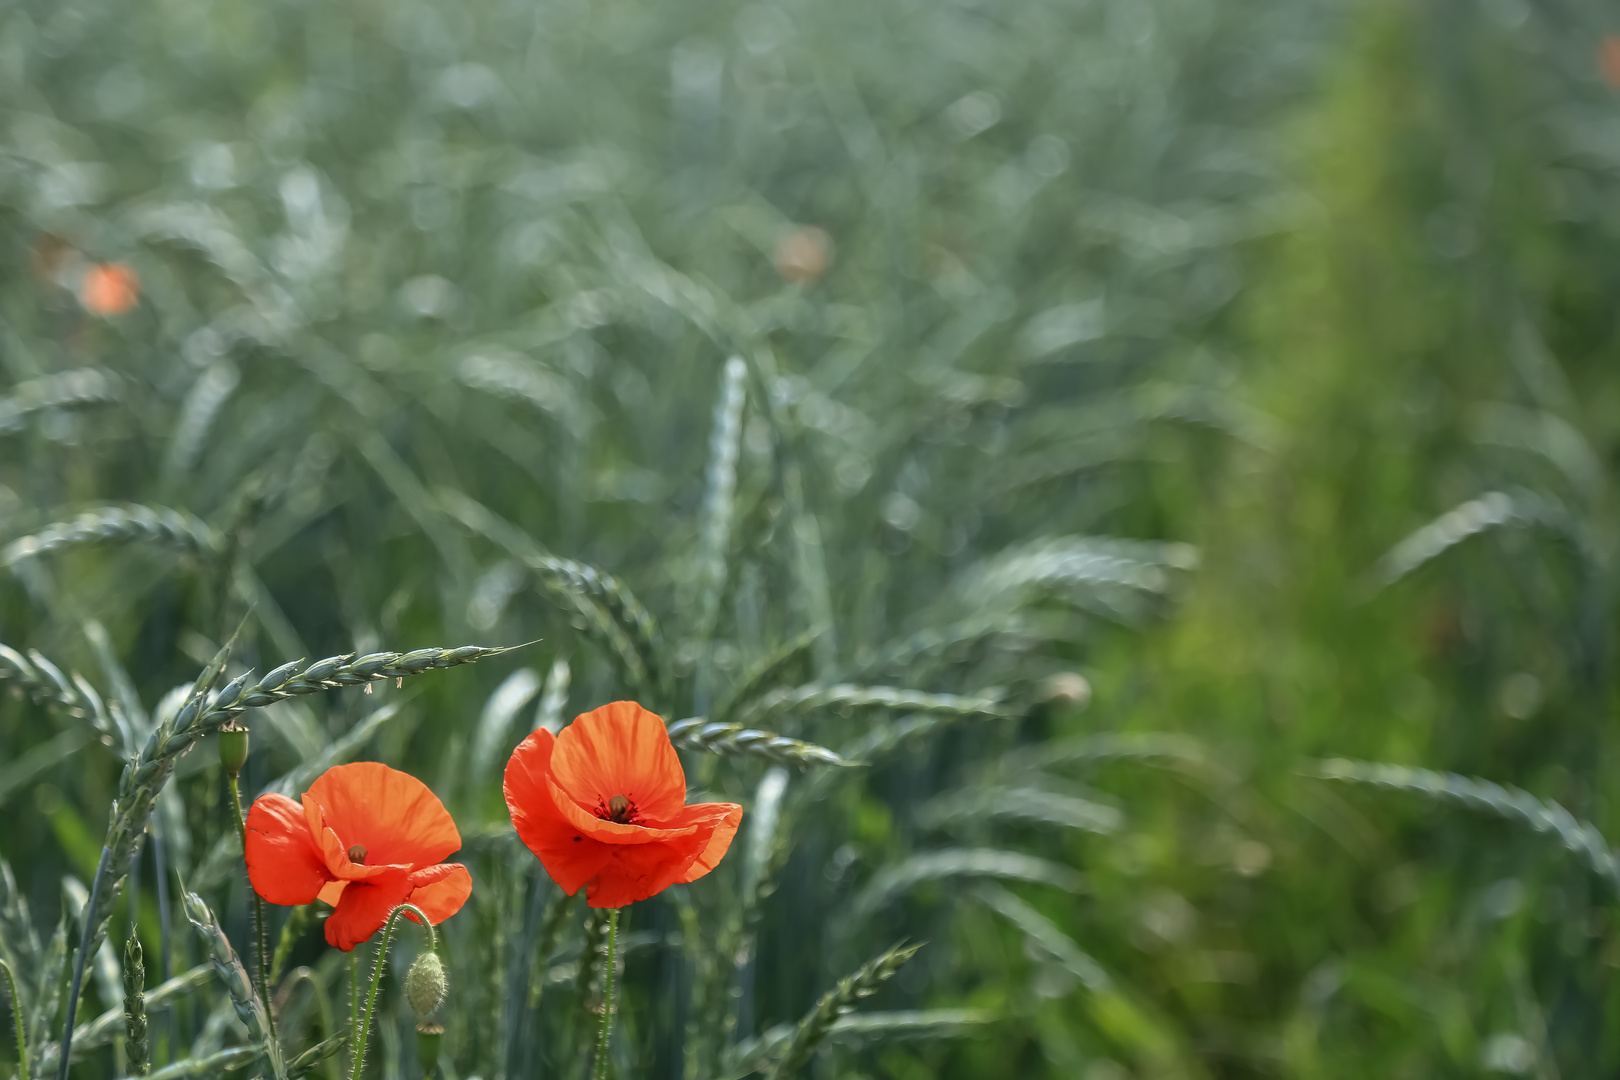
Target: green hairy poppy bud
<point>426,985</point>
<point>233,748</point>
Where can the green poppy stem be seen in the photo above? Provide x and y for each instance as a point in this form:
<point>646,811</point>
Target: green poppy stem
<point>354,1003</point>
<point>258,909</point>
<point>363,1030</point>
<point>17,1019</point>
<point>601,1071</point>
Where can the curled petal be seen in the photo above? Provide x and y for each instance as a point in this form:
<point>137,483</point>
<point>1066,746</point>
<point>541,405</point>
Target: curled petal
<point>620,749</point>
<point>393,814</point>
<point>364,907</point>
<point>725,817</point>
<point>284,865</point>
<point>570,857</point>
<point>440,890</point>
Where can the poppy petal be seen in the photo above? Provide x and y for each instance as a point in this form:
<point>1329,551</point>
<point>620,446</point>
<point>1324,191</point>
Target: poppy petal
<point>283,863</point>
<point>364,907</point>
<point>620,749</point>
<point>570,857</point>
<point>393,814</point>
<point>332,893</point>
<point>636,871</point>
<point>440,890</point>
<point>335,850</point>
<point>725,818</point>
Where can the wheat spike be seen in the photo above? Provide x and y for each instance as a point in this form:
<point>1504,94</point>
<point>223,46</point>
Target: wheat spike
<point>735,740</point>
<point>118,524</point>
<point>835,1003</point>
<point>1543,816</point>
<point>45,684</point>
<point>905,875</point>
<point>611,612</point>
<point>1493,510</point>
<point>109,1025</point>
<point>768,670</point>
<point>795,701</point>
<point>63,390</point>
<point>973,805</point>
<point>720,494</point>
<point>249,1009</point>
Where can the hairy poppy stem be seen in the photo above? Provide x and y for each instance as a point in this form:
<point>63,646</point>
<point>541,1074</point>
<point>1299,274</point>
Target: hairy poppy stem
<point>364,1027</point>
<point>261,941</point>
<point>17,1020</point>
<point>354,1004</point>
<point>601,1070</point>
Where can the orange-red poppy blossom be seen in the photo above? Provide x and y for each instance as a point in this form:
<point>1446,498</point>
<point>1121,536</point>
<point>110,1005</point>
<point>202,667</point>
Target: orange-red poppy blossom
<point>604,806</point>
<point>365,838</point>
<point>109,289</point>
<point>1609,60</point>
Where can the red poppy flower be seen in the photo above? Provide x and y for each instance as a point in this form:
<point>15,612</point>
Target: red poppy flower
<point>366,839</point>
<point>604,805</point>
<point>109,289</point>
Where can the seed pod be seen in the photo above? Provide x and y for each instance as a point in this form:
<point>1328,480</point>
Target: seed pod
<point>233,748</point>
<point>426,985</point>
<point>428,1035</point>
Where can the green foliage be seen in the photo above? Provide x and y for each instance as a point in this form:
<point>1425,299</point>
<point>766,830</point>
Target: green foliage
<point>841,380</point>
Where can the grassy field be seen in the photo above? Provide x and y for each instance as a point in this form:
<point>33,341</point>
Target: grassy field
<point>1121,492</point>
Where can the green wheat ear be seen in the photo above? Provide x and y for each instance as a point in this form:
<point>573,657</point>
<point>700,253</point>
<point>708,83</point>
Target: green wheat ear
<point>135,1048</point>
<point>863,983</point>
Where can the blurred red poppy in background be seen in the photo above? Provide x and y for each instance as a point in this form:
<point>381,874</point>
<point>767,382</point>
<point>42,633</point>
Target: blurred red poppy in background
<point>365,839</point>
<point>109,289</point>
<point>1609,60</point>
<point>604,806</point>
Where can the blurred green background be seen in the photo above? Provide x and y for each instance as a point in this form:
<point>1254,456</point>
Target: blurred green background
<point>1209,397</point>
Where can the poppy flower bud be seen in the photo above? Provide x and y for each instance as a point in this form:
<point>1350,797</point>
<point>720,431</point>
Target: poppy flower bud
<point>233,748</point>
<point>426,985</point>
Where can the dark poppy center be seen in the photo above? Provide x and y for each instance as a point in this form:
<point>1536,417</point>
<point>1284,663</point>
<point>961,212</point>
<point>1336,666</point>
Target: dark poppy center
<point>357,854</point>
<point>619,809</point>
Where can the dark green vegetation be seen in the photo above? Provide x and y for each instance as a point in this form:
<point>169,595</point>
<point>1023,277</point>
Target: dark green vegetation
<point>855,373</point>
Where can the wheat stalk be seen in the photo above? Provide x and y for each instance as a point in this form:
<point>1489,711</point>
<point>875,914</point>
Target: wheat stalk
<point>1543,816</point>
<point>118,524</point>
<point>19,943</point>
<point>611,612</point>
<point>45,685</point>
<point>1493,510</point>
<point>719,497</point>
<point>63,390</point>
<point>975,805</point>
<point>844,697</point>
<point>768,670</point>
<point>105,1028</point>
<point>735,740</point>
<point>835,1003</point>
<point>957,863</point>
<point>249,1009</point>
